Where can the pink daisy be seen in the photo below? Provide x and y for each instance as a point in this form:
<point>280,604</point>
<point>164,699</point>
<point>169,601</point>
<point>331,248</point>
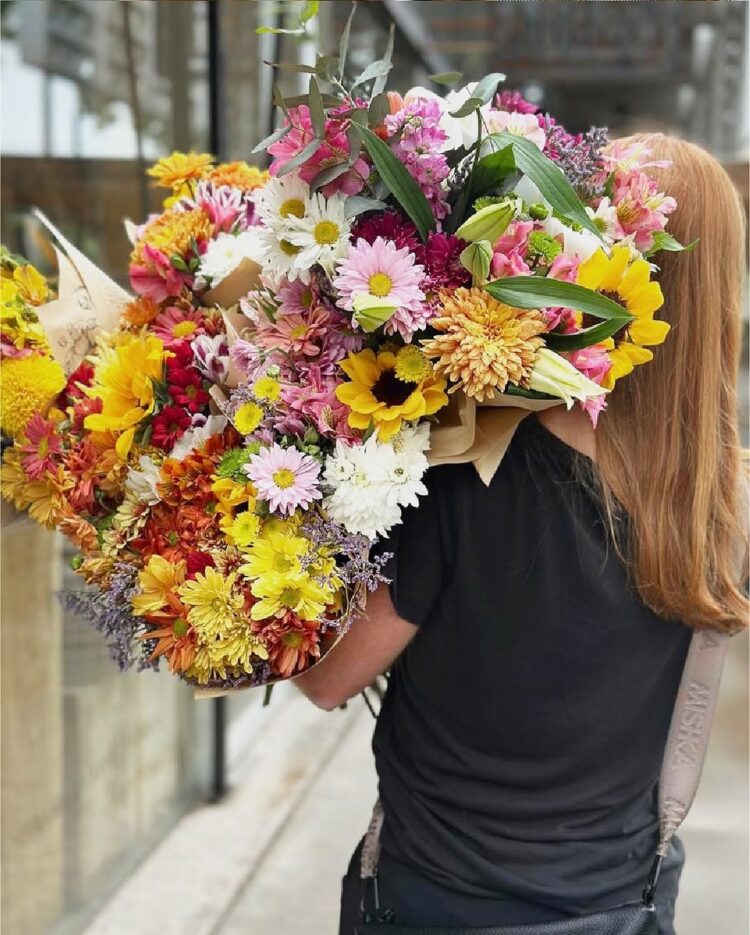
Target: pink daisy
<point>284,477</point>
<point>174,324</point>
<point>383,271</point>
<point>42,444</point>
<point>295,334</point>
<point>295,298</point>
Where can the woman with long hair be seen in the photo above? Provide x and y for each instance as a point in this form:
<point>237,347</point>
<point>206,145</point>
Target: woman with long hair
<point>536,629</point>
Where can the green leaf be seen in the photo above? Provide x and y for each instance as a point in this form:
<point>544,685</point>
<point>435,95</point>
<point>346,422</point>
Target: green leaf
<point>490,171</point>
<point>272,138</point>
<point>480,95</point>
<point>328,100</point>
<point>310,10</point>
<point>291,66</point>
<point>541,292</point>
<point>585,338</point>
<point>446,77</point>
<point>264,30</point>
<point>665,241</point>
<point>328,175</point>
<point>512,390</point>
<point>359,204</point>
<point>374,70</point>
<point>344,42</point>
<point>300,157</point>
<point>550,181</point>
<point>379,84</point>
<point>317,110</point>
<point>325,65</point>
<point>378,109</point>
<point>400,184</point>
<point>278,99</point>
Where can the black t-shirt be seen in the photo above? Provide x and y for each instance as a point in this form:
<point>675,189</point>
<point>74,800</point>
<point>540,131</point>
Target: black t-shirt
<point>521,737</point>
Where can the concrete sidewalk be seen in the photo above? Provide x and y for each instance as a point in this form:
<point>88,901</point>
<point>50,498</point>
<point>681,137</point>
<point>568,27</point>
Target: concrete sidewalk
<point>269,859</point>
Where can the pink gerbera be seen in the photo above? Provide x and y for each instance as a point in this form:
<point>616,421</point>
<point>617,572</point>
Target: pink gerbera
<point>285,477</point>
<point>384,272</point>
<point>295,334</point>
<point>295,297</point>
<point>42,444</point>
<point>175,324</point>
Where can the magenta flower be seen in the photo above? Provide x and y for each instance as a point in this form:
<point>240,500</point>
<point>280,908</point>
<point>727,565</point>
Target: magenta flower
<point>509,252</point>
<point>515,103</point>
<point>284,477</point>
<point>390,225</point>
<point>442,262</point>
<point>419,139</point>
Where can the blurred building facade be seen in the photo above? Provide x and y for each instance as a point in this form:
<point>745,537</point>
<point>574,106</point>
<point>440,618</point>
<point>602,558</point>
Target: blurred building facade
<point>97,764</point>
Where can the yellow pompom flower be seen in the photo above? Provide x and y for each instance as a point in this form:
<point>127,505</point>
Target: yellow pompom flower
<point>376,394</point>
<point>124,381</point>
<point>238,175</point>
<point>267,389</point>
<point>27,385</point>
<point>241,530</point>
<point>247,418</point>
<point>628,284</point>
<point>214,606</point>
<point>157,580</point>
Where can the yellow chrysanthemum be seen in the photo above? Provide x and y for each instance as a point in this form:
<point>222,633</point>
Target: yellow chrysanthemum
<point>32,286</point>
<point>157,580</point>
<point>27,385</point>
<point>247,418</point>
<point>412,364</point>
<point>124,381</point>
<point>375,393</point>
<point>296,592</point>
<point>229,656</point>
<point>173,233</point>
<point>176,170</point>
<point>486,344</point>
<point>241,530</point>
<point>214,606</point>
<point>267,389</point>
<point>13,478</point>
<point>275,553</point>
<point>238,175</point>
<point>230,494</point>
<point>630,285</point>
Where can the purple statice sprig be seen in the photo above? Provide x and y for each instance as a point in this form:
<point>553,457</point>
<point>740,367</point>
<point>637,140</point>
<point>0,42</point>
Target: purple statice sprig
<point>356,567</point>
<point>578,155</point>
<point>109,612</point>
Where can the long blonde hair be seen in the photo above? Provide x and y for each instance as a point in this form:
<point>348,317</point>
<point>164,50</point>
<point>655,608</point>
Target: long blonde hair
<point>667,446</point>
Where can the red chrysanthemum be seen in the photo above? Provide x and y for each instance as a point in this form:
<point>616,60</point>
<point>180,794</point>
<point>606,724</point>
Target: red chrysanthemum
<point>390,225</point>
<point>185,386</point>
<point>169,426</point>
<point>442,263</point>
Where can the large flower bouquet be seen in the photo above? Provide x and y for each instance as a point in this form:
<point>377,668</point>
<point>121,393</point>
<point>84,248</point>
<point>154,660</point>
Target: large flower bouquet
<point>226,455</point>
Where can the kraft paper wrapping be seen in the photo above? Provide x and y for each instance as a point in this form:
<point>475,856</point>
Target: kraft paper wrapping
<point>480,432</point>
<point>88,303</point>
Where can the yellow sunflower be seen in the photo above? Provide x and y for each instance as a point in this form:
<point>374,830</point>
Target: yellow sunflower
<point>630,285</point>
<point>377,395</point>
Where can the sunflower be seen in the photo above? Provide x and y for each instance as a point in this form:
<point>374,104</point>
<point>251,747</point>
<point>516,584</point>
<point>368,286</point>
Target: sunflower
<point>376,395</point>
<point>630,285</point>
<point>486,344</point>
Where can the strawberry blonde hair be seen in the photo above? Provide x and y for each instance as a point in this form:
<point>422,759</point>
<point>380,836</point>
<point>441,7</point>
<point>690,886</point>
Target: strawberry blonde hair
<point>667,446</point>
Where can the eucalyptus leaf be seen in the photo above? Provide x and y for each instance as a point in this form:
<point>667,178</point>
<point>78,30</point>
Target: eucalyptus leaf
<point>328,175</point>
<point>446,77</point>
<point>325,66</point>
<point>378,109</point>
<point>310,10</point>
<point>344,41</point>
<point>328,100</point>
<point>317,110</point>
<point>291,66</point>
<point>543,292</point>
<point>401,185</point>
<point>272,138</point>
<point>379,84</point>
<point>302,156</point>
<point>359,204</point>
<point>265,30</point>
<point>480,95</point>
<point>548,178</point>
<point>374,70</point>
<point>278,99</point>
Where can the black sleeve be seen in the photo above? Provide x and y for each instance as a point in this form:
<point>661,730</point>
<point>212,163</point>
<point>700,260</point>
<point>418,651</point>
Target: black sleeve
<point>417,566</point>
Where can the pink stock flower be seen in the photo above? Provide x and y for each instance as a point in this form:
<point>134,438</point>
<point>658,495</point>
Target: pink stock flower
<point>284,477</point>
<point>418,141</point>
<point>333,150</point>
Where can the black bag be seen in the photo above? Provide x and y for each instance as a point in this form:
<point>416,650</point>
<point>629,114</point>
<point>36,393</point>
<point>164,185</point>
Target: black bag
<point>683,760</point>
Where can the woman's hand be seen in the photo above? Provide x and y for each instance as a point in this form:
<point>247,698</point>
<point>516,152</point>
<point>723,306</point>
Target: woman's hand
<point>373,642</point>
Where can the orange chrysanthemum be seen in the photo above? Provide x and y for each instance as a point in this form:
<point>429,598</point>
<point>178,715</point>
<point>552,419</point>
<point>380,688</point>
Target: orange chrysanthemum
<point>175,637</point>
<point>175,170</point>
<point>485,344</point>
<point>173,232</point>
<point>238,175</point>
<point>140,311</point>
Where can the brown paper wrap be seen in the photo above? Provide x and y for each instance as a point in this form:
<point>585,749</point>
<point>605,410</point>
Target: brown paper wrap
<point>88,303</point>
<point>480,433</point>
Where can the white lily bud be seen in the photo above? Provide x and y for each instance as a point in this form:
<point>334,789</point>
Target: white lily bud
<point>371,311</point>
<point>488,223</point>
<point>476,258</point>
<point>556,376</point>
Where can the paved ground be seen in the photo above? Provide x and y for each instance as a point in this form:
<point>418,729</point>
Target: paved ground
<point>225,872</point>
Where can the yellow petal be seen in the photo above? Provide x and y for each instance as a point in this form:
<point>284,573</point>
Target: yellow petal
<point>359,420</point>
<point>592,271</point>
<point>361,367</point>
<point>124,443</point>
<point>386,430</point>
<point>634,353</point>
<point>622,365</point>
<point>646,300</point>
<point>635,278</point>
<point>649,331</point>
<point>617,265</point>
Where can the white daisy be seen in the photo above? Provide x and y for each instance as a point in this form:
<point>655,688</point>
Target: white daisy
<point>280,257</point>
<point>281,199</point>
<point>323,234</point>
<point>225,253</point>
